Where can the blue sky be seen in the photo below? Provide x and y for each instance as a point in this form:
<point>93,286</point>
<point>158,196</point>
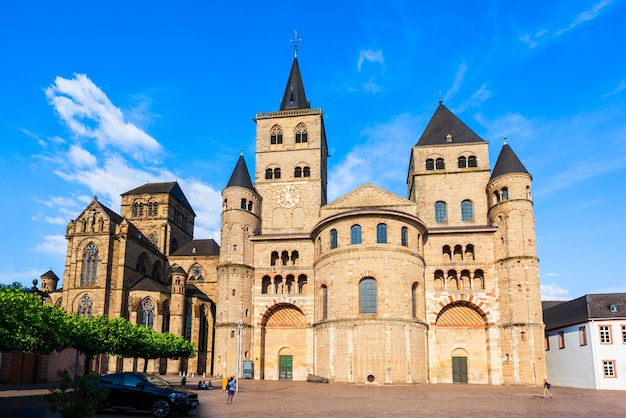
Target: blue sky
<point>100,97</point>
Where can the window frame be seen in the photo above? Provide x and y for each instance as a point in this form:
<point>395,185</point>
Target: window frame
<point>606,338</point>
<point>561,337</point>
<point>609,372</point>
<point>381,233</point>
<point>441,212</point>
<point>582,335</point>
<point>356,236</point>
<point>334,239</point>
<point>467,211</point>
<point>368,296</point>
<point>404,236</point>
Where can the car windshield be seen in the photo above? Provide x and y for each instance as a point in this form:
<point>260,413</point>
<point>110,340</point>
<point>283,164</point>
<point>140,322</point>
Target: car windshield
<point>156,380</point>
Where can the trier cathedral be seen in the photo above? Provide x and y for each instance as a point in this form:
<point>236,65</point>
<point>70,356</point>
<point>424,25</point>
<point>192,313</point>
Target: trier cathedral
<point>440,287</point>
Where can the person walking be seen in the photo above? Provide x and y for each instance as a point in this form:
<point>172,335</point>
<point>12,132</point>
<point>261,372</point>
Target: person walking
<point>231,390</point>
<point>546,388</point>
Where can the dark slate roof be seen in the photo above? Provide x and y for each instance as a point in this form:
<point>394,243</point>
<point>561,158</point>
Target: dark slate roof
<point>294,97</point>
<point>445,122</point>
<point>50,274</point>
<point>154,188</point>
<point>110,213</point>
<point>147,284</point>
<point>199,247</point>
<point>180,270</point>
<point>507,163</point>
<point>193,292</point>
<point>241,175</point>
<point>584,308</point>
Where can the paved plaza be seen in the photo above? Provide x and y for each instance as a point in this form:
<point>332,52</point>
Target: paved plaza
<point>302,399</point>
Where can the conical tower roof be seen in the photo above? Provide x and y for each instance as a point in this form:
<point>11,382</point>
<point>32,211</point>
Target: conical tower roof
<point>507,163</point>
<point>294,97</point>
<point>444,123</point>
<point>241,176</point>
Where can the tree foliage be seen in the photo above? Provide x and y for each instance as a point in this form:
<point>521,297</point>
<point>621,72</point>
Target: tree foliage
<point>29,325</point>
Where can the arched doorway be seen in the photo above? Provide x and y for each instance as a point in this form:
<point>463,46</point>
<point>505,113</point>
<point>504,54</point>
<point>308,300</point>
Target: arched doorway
<point>284,343</point>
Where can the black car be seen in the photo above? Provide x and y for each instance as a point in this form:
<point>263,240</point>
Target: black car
<point>140,391</point>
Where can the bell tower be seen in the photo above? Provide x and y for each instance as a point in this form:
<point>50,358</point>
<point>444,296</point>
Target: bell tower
<point>291,160</point>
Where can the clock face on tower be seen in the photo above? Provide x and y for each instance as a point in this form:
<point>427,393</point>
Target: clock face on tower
<point>288,196</point>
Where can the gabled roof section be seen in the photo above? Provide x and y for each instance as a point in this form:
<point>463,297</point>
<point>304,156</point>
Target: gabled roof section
<point>113,216</point>
<point>198,247</point>
<point>156,188</point>
<point>147,284</point>
<point>368,196</point>
<point>444,123</point>
<point>294,97</point>
<point>241,176</point>
<point>507,163</point>
<point>584,308</point>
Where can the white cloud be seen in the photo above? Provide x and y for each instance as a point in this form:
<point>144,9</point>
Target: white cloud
<point>89,114</point>
<point>458,81</point>
<point>55,244</point>
<point>514,126</point>
<point>81,157</point>
<point>370,56</point>
<point>621,86</point>
<point>552,291</point>
<point>543,35</point>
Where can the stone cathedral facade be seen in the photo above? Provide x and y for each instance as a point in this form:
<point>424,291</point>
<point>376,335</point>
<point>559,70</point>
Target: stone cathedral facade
<point>439,287</point>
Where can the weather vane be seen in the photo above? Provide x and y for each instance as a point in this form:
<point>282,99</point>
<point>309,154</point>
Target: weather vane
<point>295,41</point>
<point>504,140</point>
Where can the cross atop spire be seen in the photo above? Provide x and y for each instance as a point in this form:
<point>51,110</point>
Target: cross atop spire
<point>295,41</point>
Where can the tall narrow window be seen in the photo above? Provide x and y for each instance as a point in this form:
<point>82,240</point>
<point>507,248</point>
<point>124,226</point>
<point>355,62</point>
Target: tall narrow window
<point>414,300</point>
<point>243,203</point>
<point>333,239</point>
<point>582,335</point>
<point>269,173</point>
<point>367,295</point>
<point>277,173</point>
<point>623,334</point>
<point>605,334</point>
<point>306,172</point>
<point>462,162</point>
<point>297,172</point>
<point>147,314</point>
<point>324,302</point>
<point>471,161</point>
<point>430,164</point>
<point>467,211</point>
<point>381,234</point>
<point>355,234</point>
<point>301,134</point>
<point>404,236</point>
<point>441,214</point>
<point>90,265</point>
<point>440,164</point>
<point>276,135</point>
<point>561,339</point>
<point>505,193</point>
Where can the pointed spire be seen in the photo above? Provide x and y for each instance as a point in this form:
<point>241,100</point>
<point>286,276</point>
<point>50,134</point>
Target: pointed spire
<point>294,97</point>
<point>445,127</point>
<point>507,163</point>
<point>241,175</point>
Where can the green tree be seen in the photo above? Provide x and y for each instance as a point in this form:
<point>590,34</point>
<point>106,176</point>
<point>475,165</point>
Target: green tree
<point>29,325</point>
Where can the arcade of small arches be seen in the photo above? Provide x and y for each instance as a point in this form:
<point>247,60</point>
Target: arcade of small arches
<point>462,162</point>
<point>300,135</point>
<point>285,258</point>
<point>457,253</point>
<point>141,209</point>
<point>284,285</point>
<point>465,281</point>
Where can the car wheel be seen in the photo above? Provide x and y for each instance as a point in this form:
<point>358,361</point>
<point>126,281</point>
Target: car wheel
<point>161,408</point>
